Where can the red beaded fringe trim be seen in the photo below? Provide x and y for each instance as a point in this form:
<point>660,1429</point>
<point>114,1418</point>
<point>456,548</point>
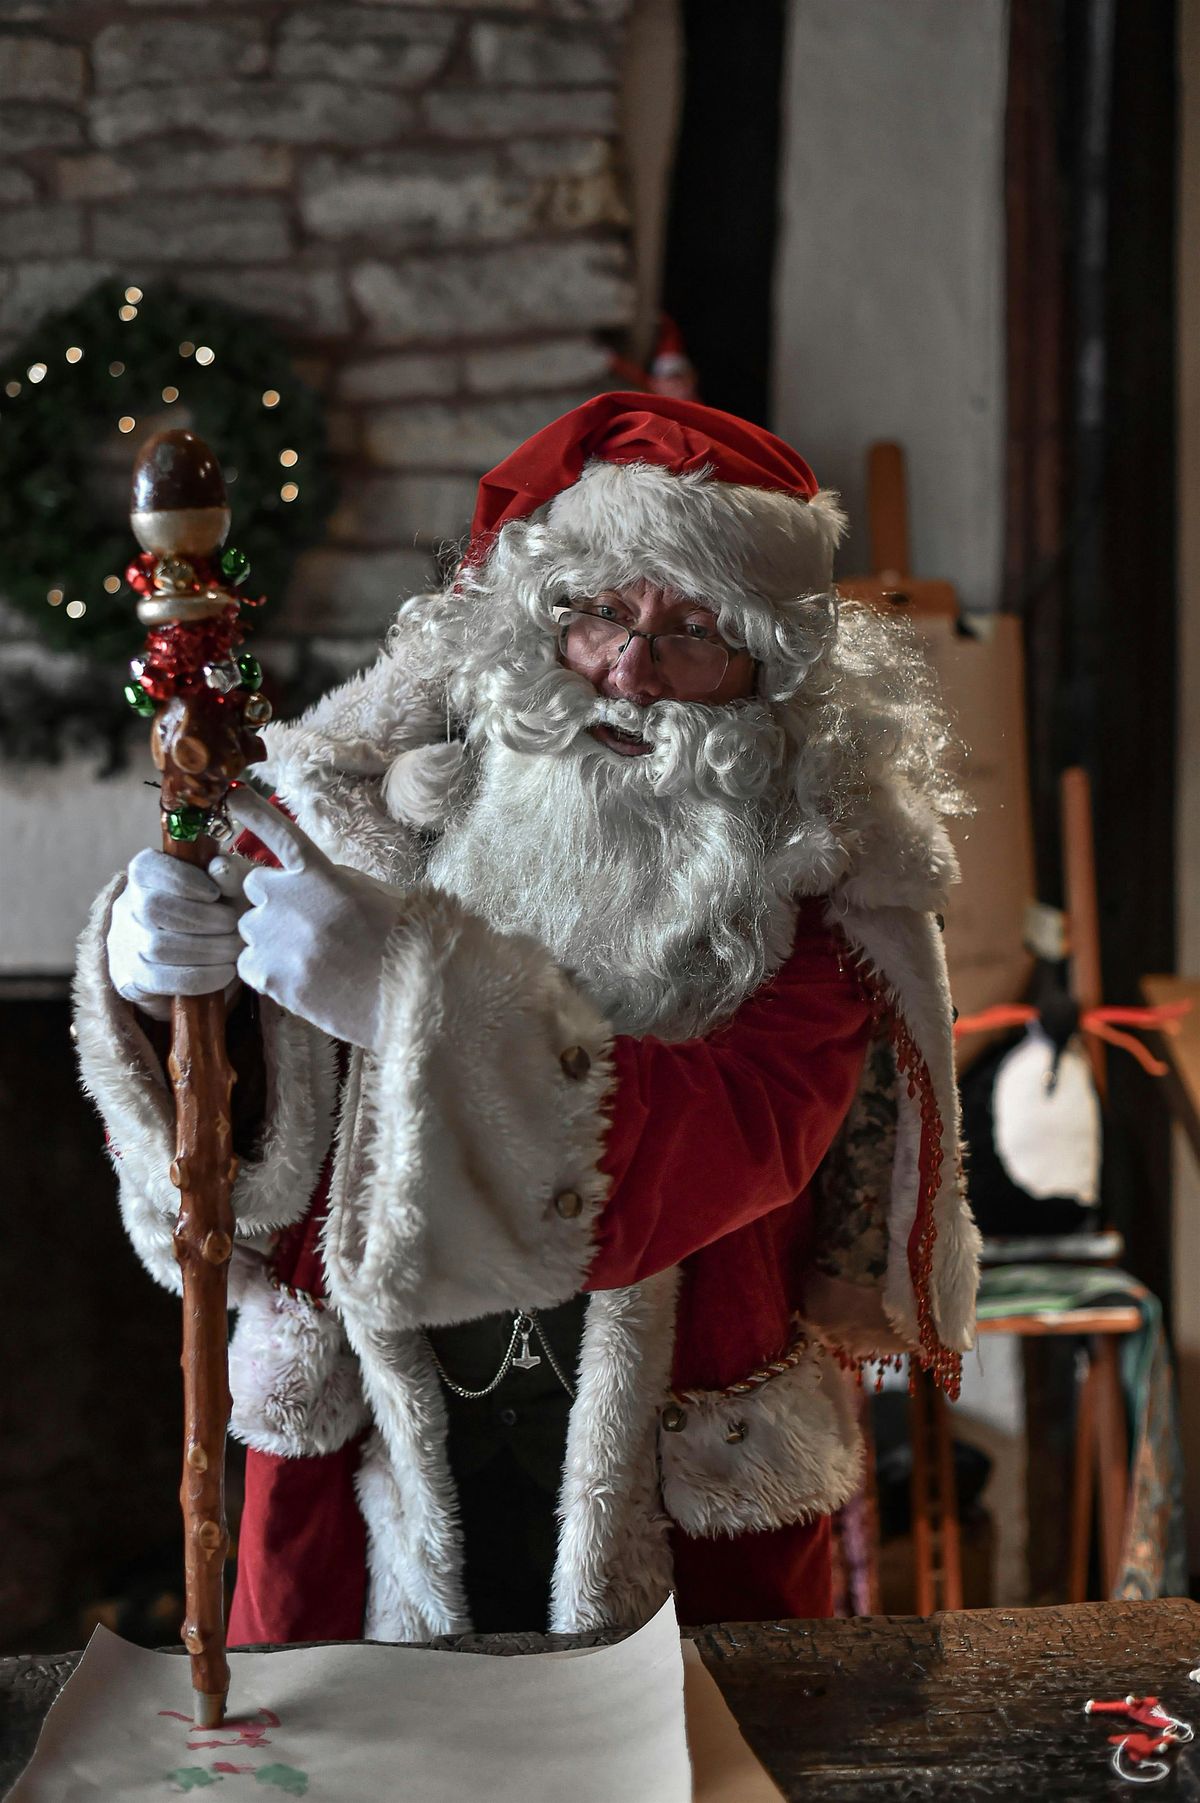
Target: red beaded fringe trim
<point>932,1356</point>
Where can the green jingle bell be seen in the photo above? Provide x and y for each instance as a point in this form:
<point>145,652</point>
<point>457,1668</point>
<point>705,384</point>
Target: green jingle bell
<point>235,565</point>
<point>186,823</point>
<point>139,701</point>
<point>250,668</point>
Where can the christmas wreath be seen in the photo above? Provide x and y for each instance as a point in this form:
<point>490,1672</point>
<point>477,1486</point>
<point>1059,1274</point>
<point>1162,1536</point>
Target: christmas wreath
<point>79,396</point>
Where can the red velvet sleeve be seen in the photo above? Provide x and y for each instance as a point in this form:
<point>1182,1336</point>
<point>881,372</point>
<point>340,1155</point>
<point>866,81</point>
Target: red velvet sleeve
<point>708,1135</point>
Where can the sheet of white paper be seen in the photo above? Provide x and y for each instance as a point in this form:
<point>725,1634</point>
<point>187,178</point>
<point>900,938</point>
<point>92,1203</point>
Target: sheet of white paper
<point>724,1768</point>
<point>352,1723</point>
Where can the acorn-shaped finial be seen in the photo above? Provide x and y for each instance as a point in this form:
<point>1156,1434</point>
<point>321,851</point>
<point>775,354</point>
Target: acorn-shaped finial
<point>179,507</point>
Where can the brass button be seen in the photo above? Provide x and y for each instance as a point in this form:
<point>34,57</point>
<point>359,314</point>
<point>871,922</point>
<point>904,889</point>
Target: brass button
<point>575,1062</point>
<point>736,1433</point>
<point>674,1418</point>
<point>568,1204</point>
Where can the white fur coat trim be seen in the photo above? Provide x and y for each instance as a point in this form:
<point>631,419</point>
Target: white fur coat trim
<point>901,855</point>
<point>294,1381</point>
<point>467,1179</point>
<point>330,766</point>
<point>406,1493</point>
<point>414,1587</point>
<point>122,1075</point>
<point>904,952</point>
<point>786,1452</point>
<point>614,1561</point>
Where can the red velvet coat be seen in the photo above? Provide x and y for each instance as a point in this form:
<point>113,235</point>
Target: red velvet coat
<point>710,1153</point>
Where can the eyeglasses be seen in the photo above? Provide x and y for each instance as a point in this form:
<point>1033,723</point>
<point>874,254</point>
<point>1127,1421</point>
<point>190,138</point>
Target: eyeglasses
<point>690,663</point>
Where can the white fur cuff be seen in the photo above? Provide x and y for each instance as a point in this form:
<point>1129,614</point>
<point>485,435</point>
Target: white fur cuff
<point>295,1383</point>
<point>468,1183</point>
<point>744,1464</point>
<point>121,1074</point>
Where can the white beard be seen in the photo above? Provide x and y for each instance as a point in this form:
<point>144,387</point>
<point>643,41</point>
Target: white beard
<point>657,900</point>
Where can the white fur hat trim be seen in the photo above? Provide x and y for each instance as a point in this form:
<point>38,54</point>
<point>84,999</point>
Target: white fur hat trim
<point>699,533</point>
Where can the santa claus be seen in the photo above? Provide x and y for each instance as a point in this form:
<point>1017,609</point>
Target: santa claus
<point>598,1105</point>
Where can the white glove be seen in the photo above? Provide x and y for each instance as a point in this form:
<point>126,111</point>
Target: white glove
<point>174,930</point>
<point>316,932</point>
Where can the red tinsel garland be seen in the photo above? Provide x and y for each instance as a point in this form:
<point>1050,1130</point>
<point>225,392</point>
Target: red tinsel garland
<point>175,654</point>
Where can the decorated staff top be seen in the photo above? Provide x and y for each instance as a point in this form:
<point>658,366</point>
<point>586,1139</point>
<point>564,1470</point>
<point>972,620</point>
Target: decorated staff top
<point>192,673</point>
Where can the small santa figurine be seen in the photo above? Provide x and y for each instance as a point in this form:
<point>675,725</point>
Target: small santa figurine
<point>597,1112</point>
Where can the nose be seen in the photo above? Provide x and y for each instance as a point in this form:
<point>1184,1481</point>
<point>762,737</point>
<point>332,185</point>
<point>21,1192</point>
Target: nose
<point>635,676</point>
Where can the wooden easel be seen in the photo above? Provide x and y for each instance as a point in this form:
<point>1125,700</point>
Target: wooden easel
<point>892,584</point>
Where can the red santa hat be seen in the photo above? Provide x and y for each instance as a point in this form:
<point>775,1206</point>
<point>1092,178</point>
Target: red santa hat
<point>703,497</point>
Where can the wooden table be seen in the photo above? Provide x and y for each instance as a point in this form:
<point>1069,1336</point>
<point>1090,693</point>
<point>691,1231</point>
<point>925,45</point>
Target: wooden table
<point>973,1704</point>
<point>1180,1051</point>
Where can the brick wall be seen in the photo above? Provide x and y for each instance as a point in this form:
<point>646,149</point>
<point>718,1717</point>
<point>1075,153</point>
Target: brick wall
<point>423,195</point>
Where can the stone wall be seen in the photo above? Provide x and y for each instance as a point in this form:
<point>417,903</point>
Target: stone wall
<point>423,195</point>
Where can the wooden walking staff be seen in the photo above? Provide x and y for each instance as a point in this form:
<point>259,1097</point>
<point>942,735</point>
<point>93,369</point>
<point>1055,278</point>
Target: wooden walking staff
<point>203,696</point>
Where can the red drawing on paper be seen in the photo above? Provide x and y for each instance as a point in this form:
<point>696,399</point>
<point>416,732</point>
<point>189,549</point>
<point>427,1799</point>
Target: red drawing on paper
<point>225,1765</point>
<point>251,1732</point>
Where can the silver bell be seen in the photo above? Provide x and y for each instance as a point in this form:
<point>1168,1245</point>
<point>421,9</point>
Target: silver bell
<point>224,678</point>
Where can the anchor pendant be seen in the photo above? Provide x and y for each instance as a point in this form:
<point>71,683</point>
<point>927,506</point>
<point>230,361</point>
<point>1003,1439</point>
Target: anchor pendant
<point>525,1360</point>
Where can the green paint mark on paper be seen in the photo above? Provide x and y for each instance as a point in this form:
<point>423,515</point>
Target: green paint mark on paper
<point>192,1777</point>
<point>283,1777</point>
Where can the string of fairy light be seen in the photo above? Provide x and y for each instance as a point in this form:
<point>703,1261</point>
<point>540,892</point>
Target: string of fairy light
<point>203,356</point>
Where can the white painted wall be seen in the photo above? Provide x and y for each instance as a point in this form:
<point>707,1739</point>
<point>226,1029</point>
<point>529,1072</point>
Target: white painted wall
<point>63,834</point>
<point>890,290</point>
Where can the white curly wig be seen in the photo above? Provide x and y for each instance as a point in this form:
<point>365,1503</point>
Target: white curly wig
<point>832,779</point>
<point>868,751</point>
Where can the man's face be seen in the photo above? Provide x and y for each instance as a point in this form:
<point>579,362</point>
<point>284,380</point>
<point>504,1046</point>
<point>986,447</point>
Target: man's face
<point>693,664</point>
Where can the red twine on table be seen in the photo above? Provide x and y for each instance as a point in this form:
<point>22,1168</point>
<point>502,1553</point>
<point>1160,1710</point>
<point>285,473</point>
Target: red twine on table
<point>1137,1757</point>
<point>1147,1712</point>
